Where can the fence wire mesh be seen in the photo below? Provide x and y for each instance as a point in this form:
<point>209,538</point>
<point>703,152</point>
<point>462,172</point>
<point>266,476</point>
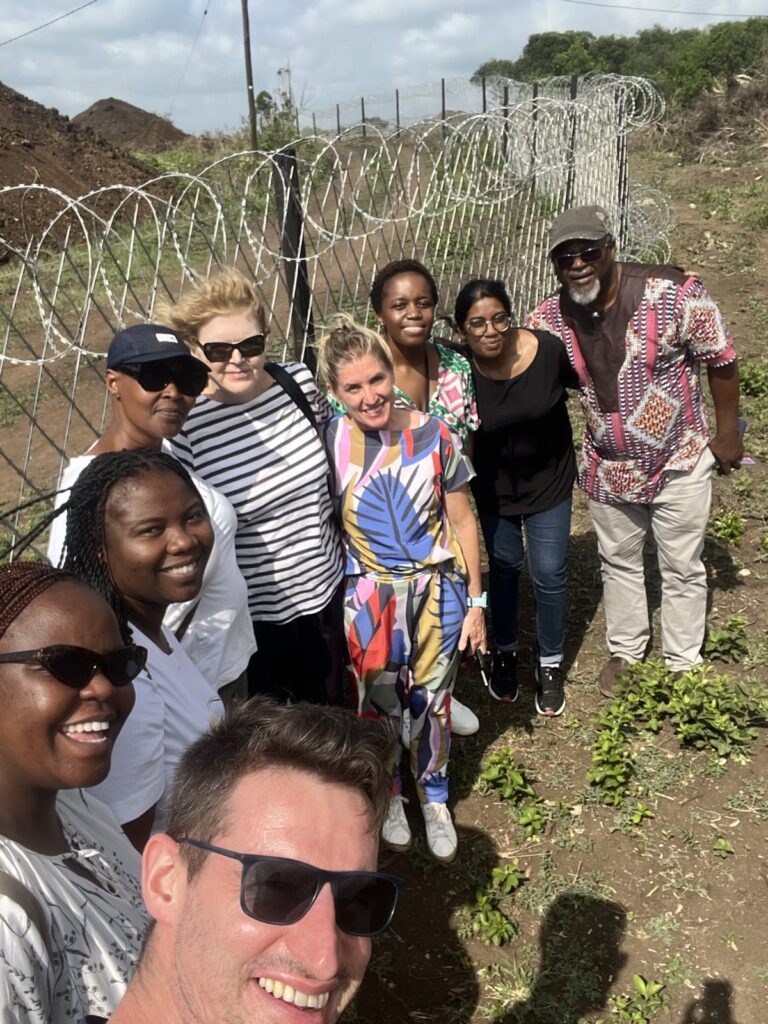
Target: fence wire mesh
<point>469,195</point>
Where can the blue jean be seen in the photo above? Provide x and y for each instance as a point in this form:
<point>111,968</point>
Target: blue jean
<point>546,540</point>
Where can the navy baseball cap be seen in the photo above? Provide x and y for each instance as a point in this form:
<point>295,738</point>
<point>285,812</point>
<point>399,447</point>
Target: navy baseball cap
<point>148,343</point>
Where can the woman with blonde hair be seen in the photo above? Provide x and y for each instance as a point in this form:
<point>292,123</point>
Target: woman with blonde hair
<point>429,376</point>
<point>413,591</point>
<point>253,434</point>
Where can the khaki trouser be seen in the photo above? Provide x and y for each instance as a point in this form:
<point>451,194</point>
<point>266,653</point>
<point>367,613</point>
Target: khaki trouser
<point>678,518</point>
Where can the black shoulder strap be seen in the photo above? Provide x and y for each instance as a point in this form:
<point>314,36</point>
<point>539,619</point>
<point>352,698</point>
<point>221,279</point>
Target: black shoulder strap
<point>293,389</point>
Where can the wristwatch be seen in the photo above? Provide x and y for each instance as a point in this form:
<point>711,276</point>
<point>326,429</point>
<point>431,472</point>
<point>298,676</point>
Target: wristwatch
<point>478,602</point>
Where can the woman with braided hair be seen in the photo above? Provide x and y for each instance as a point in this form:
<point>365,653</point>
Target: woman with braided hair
<point>138,532</point>
<point>71,914</point>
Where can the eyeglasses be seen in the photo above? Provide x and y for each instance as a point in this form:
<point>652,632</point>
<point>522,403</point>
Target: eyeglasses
<point>279,891</point>
<point>76,666</point>
<point>221,351</point>
<point>189,378</point>
<point>565,259</point>
<point>477,326</point>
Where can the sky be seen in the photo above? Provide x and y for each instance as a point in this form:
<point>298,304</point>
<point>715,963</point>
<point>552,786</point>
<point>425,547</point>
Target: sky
<point>171,58</point>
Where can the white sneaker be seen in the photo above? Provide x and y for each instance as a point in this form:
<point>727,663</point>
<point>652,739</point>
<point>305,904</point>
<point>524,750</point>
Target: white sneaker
<point>396,832</point>
<point>463,721</point>
<point>441,835</point>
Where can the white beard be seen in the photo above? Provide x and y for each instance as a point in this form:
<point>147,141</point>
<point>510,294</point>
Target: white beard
<point>584,296</point>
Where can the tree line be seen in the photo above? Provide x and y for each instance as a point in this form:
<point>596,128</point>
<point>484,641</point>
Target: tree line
<point>681,62</point>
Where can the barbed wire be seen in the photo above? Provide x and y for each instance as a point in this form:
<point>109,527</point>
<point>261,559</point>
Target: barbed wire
<point>425,173</point>
<point>471,195</point>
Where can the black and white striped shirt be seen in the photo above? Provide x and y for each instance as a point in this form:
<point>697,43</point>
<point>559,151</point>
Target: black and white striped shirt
<point>266,457</point>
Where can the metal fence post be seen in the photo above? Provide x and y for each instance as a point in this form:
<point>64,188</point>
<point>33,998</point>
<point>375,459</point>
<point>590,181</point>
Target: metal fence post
<point>505,114</point>
<point>534,134</point>
<point>570,184</point>
<point>485,97</point>
<point>622,183</point>
<point>397,109</point>
<point>338,120</point>
<point>288,202</point>
<point>442,95</point>
<point>362,113</point>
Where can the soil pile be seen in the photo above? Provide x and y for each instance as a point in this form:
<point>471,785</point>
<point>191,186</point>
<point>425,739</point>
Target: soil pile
<point>38,145</point>
<point>724,118</point>
<point>130,127</point>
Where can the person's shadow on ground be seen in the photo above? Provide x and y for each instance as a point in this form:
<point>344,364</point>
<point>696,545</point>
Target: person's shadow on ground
<point>420,970</point>
<point>580,943</point>
<point>713,1005</point>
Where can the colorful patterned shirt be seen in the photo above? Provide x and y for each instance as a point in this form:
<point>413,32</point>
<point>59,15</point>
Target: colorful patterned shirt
<point>392,487</point>
<point>453,400</point>
<point>638,365</point>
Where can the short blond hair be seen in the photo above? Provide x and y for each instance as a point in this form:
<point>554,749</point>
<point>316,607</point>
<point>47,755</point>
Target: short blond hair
<point>225,291</point>
<point>345,341</point>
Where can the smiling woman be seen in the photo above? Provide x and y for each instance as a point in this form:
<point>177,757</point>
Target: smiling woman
<point>71,914</point>
<point>152,382</point>
<point>413,593</point>
<point>254,435</point>
<point>138,532</point>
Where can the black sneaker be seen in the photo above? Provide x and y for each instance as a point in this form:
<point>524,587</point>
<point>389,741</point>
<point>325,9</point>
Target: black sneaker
<point>503,682</point>
<point>550,690</point>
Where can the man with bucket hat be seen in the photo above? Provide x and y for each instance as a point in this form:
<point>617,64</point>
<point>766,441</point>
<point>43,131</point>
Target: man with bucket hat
<point>637,336</point>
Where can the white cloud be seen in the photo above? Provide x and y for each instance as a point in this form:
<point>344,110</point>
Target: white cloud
<point>338,49</point>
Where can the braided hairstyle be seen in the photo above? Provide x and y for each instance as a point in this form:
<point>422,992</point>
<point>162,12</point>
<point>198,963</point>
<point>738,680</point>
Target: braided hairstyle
<point>85,546</point>
<point>21,583</point>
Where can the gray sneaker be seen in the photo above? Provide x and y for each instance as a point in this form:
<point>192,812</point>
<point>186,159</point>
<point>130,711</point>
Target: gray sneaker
<point>396,832</point>
<point>441,835</point>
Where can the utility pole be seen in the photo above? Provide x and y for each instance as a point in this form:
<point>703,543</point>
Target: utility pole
<point>249,74</point>
<point>286,93</point>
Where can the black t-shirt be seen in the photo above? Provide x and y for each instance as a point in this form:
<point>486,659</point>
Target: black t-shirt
<point>523,452</point>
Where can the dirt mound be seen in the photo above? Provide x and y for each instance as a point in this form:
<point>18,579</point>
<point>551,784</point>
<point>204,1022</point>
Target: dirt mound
<point>724,118</point>
<point>130,127</point>
<point>38,145</point>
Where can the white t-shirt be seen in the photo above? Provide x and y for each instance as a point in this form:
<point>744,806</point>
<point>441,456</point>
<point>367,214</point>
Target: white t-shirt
<point>267,458</point>
<point>94,928</point>
<point>174,705</point>
<point>219,639</point>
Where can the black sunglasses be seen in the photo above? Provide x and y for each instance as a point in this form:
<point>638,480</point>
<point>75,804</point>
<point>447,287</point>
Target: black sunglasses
<point>76,666</point>
<point>566,259</point>
<point>276,890</point>
<point>189,378</point>
<point>221,351</point>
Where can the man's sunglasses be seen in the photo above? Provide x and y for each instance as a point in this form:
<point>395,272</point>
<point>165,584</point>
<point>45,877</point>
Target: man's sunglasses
<point>221,351</point>
<point>189,378</point>
<point>76,666</point>
<point>279,891</point>
<point>564,260</point>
